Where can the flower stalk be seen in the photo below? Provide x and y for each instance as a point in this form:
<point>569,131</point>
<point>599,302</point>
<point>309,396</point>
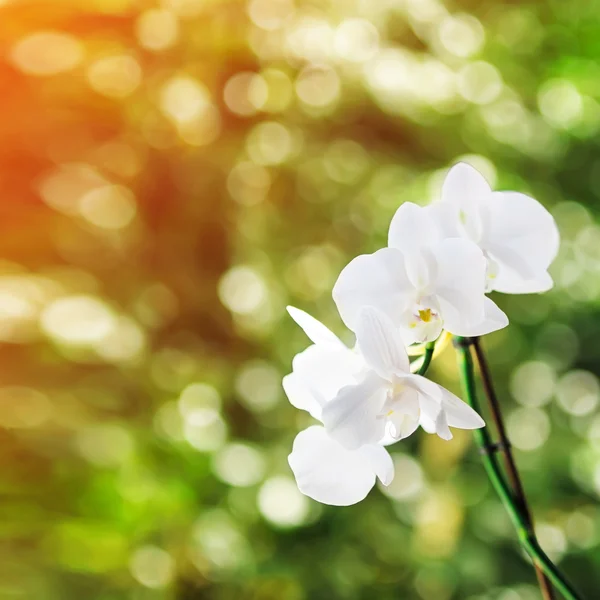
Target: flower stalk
<point>509,461</point>
<point>515,506</point>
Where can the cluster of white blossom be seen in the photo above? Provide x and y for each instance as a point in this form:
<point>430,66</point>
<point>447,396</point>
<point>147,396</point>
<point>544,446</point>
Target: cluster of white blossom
<point>440,262</point>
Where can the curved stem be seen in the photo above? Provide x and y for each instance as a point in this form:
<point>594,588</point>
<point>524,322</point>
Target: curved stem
<point>509,461</point>
<point>492,467</point>
<point>429,349</point>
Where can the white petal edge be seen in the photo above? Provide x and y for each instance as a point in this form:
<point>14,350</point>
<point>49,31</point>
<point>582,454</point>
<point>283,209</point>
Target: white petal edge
<point>301,396</point>
<point>458,413</point>
<point>320,371</point>
<point>377,279</point>
<point>493,320</point>
<point>464,184</point>
<point>329,473</point>
<point>314,329</point>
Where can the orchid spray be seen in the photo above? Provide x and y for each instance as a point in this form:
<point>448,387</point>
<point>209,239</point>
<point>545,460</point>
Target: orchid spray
<point>429,285</point>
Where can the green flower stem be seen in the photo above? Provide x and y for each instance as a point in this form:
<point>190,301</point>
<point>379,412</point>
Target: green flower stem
<point>482,437</point>
<point>510,465</point>
<point>426,359</point>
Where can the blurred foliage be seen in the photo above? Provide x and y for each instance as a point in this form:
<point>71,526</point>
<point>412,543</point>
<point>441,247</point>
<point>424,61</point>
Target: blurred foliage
<point>171,176</point>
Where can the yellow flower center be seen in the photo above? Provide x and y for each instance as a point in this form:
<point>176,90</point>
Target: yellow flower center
<point>425,315</point>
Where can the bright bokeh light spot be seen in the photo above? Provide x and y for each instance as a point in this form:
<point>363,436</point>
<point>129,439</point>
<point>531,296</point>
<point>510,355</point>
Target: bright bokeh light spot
<point>258,385</point>
<point>47,53</point>
<point>479,82</point>
<point>245,93</point>
<point>311,38</point>
<point>587,246</point>
<point>184,99</point>
<point>23,408</point>
<point>198,396</point>
<point>108,207</point>
<point>461,35</point>
<point>508,121</point>
<point>218,541</point>
<point>239,465</point>
<point>391,75</point>
<point>281,503</point>
<point>78,320</point>
<point>356,40</point>
<point>435,83</point>
<point>105,445</point>
<point>581,529</point>
<point>270,14</point>
<point>242,290</point>
<point>205,429</point>
<point>439,517</point>
<point>126,342</point>
<point>408,482</point>
<point>269,143</point>
<point>578,392</point>
<point>22,297</point>
<point>115,76</point>
<point>152,567</point>
<point>318,86</point>
<point>157,29</point>
<point>560,103</point>
<point>248,183</point>
<point>533,383</point>
<point>203,129</point>
<point>63,187</point>
<point>552,539</point>
<point>280,91</point>
<point>528,428</point>
<point>426,11</point>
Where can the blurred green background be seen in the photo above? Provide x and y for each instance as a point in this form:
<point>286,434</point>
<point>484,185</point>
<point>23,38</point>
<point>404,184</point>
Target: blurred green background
<point>171,176</point>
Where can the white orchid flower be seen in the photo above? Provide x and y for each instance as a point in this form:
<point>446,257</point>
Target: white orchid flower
<point>517,235</point>
<point>390,402</point>
<point>423,281</point>
<point>324,469</point>
<point>366,399</point>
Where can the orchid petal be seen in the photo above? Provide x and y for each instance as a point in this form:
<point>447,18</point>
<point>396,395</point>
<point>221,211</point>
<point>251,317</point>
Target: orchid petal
<point>446,217</point>
<point>404,419</point>
<point>380,343</point>
<point>467,189</point>
<point>523,239</point>
<point>379,280</point>
<point>441,426</point>
<point>352,417</point>
<point>493,319</point>
<point>460,284</point>
<point>412,228</point>
<point>315,330</point>
<point>458,413</point>
<point>319,372</point>
<point>510,282</point>
<point>302,396</point>
<point>331,474</point>
<point>380,461</point>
